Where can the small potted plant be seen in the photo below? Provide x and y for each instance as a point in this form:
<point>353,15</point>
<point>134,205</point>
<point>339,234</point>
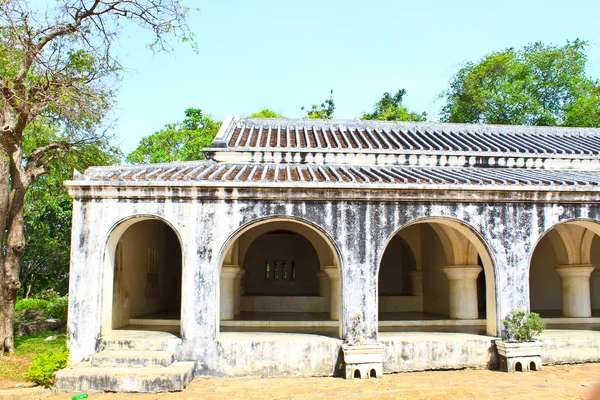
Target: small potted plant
<point>519,350</point>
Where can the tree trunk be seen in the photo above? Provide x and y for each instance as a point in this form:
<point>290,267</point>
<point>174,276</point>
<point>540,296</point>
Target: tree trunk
<point>15,243</point>
<point>4,189</point>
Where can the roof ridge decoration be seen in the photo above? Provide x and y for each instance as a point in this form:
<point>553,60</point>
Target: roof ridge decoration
<point>273,140</point>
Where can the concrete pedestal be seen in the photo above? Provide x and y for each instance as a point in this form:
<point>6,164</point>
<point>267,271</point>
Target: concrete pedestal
<point>238,291</point>
<point>324,287</point>
<point>227,286</point>
<point>575,290</point>
<point>416,283</point>
<point>463,290</point>
<point>334,290</point>
<point>521,357</point>
<point>363,361</point>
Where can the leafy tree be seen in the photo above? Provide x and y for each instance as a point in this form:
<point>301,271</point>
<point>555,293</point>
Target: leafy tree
<point>181,141</point>
<point>536,85</point>
<point>47,217</point>
<point>57,68</point>
<point>321,111</point>
<point>266,113</point>
<point>390,108</point>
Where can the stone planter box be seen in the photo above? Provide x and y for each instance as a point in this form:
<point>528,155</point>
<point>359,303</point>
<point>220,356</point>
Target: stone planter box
<point>522,357</point>
<point>363,361</point>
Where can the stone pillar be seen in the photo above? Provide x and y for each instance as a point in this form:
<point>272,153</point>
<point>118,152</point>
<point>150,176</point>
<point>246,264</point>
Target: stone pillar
<point>334,290</point>
<point>595,288</point>
<point>416,283</point>
<point>575,290</point>
<point>324,288</point>
<point>227,285</point>
<point>238,291</point>
<point>463,290</point>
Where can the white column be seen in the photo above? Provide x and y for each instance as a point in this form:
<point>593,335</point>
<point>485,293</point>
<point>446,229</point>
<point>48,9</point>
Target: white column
<point>227,286</point>
<point>238,291</point>
<point>595,288</point>
<point>575,290</point>
<point>462,281</point>
<point>416,283</point>
<point>324,288</point>
<point>334,290</point>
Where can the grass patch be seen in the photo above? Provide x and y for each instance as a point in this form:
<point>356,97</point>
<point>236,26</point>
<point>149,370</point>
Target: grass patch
<point>13,367</point>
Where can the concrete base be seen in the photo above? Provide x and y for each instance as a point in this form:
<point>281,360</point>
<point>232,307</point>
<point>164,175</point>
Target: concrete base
<point>520,364</point>
<point>363,361</point>
<point>522,357</point>
<point>84,377</point>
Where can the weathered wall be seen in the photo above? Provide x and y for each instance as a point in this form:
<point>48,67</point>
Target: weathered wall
<point>544,281</point>
<point>435,282</point>
<point>359,231</point>
<point>396,264</point>
<point>280,248</point>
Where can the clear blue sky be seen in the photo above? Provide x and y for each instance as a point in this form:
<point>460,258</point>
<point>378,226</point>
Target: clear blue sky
<point>284,54</point>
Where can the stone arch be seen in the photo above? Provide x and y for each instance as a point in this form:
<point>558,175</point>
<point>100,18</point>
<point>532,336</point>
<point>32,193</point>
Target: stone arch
<point>326,248</point>
<point>560,268</point>
<point>113,236</point>
<point>462,242</point>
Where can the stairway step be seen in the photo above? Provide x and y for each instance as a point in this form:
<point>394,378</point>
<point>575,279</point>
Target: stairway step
<point>151,379</point>
<point>141,344</point>
<point>132,358</point>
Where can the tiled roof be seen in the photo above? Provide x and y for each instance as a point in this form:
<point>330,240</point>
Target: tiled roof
<point>249,134</point>
<point>203,172</point>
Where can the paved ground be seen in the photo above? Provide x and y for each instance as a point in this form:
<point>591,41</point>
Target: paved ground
<point>554,382</point>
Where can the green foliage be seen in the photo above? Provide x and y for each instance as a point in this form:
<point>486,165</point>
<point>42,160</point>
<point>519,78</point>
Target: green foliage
<point>266,113</point>
<point>48,214</point>
<point>43,367</point>
<point>26,347</point>
<point>58,308</point>
<point>523,327</point>
<point>321,111</point>
<point>536,85</point>
<point>181,141</point>
<point>32,304</point>
<point>390,108</point>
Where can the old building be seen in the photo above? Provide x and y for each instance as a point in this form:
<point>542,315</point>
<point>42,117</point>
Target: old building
<point>297,235</point>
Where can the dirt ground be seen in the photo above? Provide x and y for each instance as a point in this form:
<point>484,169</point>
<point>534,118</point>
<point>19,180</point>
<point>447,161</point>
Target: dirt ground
<point>554,382</point>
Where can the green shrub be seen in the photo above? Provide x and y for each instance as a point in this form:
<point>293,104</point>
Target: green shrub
<point>43,367</point>
<point>49,294</point>
<point>58,308</point>
<point>523,327</point>
<point>32,304</point>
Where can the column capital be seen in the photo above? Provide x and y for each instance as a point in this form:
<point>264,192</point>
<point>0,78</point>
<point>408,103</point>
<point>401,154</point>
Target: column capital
<point>332,271</point>
<point>322,275</point>
<point>416,274</point>
<point>574,270</point>
<point>230,271</point>
<point>456,272</point>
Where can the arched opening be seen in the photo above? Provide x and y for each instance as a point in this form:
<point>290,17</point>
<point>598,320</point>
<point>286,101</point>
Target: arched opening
<point>564,277</point>
<point>518,367</point>
<point>143,270</point>
<point>532,366</point>
<point>357,373</point>
<point>280,275</point>
<point>437,275</point>
<point>373,373</point>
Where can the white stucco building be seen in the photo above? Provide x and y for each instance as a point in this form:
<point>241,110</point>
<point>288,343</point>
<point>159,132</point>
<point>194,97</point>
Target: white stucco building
<point>295,236</point>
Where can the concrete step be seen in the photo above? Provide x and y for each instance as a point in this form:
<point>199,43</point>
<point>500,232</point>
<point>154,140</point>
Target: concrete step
<point>152,379</point>
<point>141,344</point>
<point>132,358</point>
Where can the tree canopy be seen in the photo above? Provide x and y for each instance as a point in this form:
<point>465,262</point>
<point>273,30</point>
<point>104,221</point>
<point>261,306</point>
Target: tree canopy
<point>390,108</point>
<point>324,110</point>
<point>266,113</point>
<point>58,69</point>
<point>536,85</point>
<point>179,141</point>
